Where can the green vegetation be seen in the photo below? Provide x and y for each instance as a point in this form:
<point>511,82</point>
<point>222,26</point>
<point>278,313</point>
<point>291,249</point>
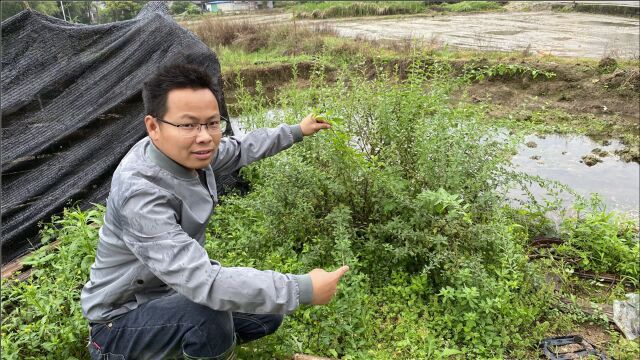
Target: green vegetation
<point>406,189</point>
<point>184,8</point>
<point>120,10</point>
<point>77,11</point>
<point>239,60</point>
<point>42,315</point>
<point>340,9</point>
<point>337,9</point>
<point>472,6</point>
<point>10,8</point>
<point>602,242</point>
<point>505,71</point>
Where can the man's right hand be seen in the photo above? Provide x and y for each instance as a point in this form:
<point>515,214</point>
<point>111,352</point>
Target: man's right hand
<point>324,284</point>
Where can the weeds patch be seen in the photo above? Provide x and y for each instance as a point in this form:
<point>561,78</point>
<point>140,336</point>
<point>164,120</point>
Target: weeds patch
<point>406,188</point>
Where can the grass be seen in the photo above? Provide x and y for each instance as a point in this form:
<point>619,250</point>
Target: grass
<point>340,9</point>
<point>248,39</point>
<point>472,6</point>
<point>233,59</point>
<point>354,9</point>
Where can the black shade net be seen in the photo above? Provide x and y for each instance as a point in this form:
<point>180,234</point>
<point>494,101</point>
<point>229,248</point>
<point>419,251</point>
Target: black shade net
<point>72,107</point>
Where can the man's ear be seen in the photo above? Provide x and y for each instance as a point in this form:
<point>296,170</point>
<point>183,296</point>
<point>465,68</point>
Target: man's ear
<point>152,127</point>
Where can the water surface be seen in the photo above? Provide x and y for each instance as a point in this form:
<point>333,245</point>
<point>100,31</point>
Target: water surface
<point>560,159</point>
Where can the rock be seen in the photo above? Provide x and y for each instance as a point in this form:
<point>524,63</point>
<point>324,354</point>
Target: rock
<point>591,160</point>
<point>625,316</point>
<point>564,153</point>
<point>535,157</point>
<point>628,154</point>
<point>606,142</point>
<point>532,144</point>
<point>600,152</point>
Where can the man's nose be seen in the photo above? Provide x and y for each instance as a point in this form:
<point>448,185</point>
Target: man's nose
<point>203,136</point>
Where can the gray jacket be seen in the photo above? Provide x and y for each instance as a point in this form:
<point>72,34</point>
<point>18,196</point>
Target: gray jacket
<point>151,243</point>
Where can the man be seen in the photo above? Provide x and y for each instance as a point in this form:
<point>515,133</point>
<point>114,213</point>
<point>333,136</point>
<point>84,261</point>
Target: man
<point>153,292</point>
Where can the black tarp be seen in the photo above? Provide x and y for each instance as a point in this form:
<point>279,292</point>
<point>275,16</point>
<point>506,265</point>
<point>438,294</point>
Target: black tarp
<point>72,107</point>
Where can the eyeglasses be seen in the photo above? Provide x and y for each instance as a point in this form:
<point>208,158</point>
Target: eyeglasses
<point>192,129</point>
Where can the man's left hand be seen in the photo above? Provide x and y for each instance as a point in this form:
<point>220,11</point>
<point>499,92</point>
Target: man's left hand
<point>311,125</point>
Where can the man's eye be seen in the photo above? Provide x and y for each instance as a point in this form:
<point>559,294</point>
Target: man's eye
<point>214,123</point>
<point>187,126</point>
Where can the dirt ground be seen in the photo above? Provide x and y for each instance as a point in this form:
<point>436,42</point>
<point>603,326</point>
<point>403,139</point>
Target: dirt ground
<point>575,89</point>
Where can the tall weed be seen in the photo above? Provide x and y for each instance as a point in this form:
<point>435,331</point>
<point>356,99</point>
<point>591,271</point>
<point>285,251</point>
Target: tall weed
<point>404,186</point>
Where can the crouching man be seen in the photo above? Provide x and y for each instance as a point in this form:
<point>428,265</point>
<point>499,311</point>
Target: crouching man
<point>153,292</point>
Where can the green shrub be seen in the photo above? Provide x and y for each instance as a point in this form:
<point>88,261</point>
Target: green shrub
<point>601,241</point>
<point>402,187</point>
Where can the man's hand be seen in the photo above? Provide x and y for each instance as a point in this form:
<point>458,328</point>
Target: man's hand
<point>324,284</point>
<point>311,125</point>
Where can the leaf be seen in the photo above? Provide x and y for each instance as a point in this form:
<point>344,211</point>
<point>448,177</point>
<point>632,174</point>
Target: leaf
<point>450,352</point>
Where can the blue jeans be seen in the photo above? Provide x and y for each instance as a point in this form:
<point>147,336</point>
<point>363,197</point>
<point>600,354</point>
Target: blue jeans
<point>173,327</point>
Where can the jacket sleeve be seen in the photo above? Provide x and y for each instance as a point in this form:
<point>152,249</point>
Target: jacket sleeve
<point>235,152</point>
<point>152,233</point>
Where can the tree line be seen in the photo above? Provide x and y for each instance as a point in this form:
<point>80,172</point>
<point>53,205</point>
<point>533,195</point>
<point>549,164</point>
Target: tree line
<point>88,12</point>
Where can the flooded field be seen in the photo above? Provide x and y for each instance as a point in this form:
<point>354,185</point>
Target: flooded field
<point>560,158</point>
<point>544,32</point>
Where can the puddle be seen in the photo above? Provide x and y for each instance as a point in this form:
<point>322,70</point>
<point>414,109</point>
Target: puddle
<point>559,158</point>
<point>610,23</point>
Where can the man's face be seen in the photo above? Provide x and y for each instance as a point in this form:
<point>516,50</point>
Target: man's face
<point>191,149</point>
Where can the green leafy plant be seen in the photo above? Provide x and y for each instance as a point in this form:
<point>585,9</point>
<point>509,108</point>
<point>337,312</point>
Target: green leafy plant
<point>601,241</point>
<point>42,314</point>
<point>407,188</point>
<point>474,73</point>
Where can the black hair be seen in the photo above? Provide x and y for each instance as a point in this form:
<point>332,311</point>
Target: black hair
<point>171,77</point>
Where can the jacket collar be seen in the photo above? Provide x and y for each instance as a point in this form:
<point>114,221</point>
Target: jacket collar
<point>166,163</point>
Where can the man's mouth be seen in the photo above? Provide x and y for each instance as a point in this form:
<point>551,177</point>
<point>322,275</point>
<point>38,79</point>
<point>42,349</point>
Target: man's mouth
<point>202,154</point>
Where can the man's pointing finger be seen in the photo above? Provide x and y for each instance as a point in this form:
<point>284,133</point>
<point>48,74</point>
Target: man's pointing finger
<point>341,271</point>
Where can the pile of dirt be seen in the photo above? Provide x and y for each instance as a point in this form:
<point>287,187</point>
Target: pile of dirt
<point>575,89</point>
